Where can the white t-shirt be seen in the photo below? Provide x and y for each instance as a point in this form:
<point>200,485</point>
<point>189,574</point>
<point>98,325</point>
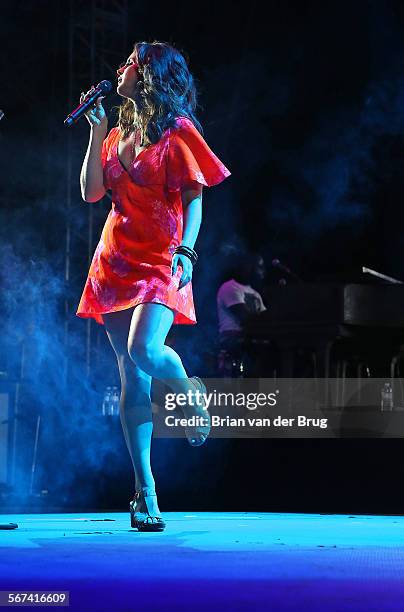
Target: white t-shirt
<point>231,293</point>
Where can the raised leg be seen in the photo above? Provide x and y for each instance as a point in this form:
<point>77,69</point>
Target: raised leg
<point>146,345</point>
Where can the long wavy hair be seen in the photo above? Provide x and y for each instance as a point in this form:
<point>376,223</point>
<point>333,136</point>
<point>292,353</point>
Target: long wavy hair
<point>165,91</point>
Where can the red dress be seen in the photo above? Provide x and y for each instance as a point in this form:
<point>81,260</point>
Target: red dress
<point>132,262</point>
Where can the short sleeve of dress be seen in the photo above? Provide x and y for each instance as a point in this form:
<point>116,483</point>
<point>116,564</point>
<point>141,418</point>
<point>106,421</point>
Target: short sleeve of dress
<point>190,159</point>
<point>106,154</point>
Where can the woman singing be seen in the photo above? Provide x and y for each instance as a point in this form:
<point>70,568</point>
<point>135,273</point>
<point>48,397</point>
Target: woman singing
<point>155,162</point>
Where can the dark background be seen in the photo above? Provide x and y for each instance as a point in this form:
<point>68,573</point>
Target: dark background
<point>303,102</point>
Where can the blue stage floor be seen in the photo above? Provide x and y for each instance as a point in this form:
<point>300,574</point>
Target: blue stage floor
<point>208,561</point>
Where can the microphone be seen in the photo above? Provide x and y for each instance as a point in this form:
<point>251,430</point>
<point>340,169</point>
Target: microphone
<point>102,88</point>
<point>277,264</point>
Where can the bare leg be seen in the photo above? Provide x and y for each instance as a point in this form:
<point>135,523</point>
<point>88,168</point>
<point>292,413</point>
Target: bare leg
<point>135,404</point>
<point>148,331</point>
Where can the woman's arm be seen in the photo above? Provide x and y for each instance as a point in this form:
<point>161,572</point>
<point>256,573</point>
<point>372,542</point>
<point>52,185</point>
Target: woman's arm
<point>91,176</point>
<point>192,206</point>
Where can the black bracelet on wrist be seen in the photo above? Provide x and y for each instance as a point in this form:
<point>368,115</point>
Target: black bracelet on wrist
<point>190,253</point>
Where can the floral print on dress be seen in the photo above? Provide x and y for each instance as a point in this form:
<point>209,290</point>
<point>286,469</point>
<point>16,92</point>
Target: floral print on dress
<point>115,169</point>
<point>172,248</point>
<point>132,261</point>
<point>163,216</point>
<point>105,294</point>
<point>119,265</point>
<point>199,177</point>
<point>143,169</point>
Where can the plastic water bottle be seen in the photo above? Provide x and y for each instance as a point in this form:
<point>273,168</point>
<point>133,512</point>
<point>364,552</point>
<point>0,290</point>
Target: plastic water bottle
<point>107,402</point>
<point>387,397</point>
<point>115,401</point>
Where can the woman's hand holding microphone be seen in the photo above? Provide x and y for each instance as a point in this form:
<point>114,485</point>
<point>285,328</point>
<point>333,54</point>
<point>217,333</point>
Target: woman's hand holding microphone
<point>91,176</point>
<point>96,116</point>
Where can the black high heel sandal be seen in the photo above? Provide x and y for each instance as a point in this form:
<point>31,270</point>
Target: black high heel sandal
<point>200,431</point>
<point>144,521</point>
